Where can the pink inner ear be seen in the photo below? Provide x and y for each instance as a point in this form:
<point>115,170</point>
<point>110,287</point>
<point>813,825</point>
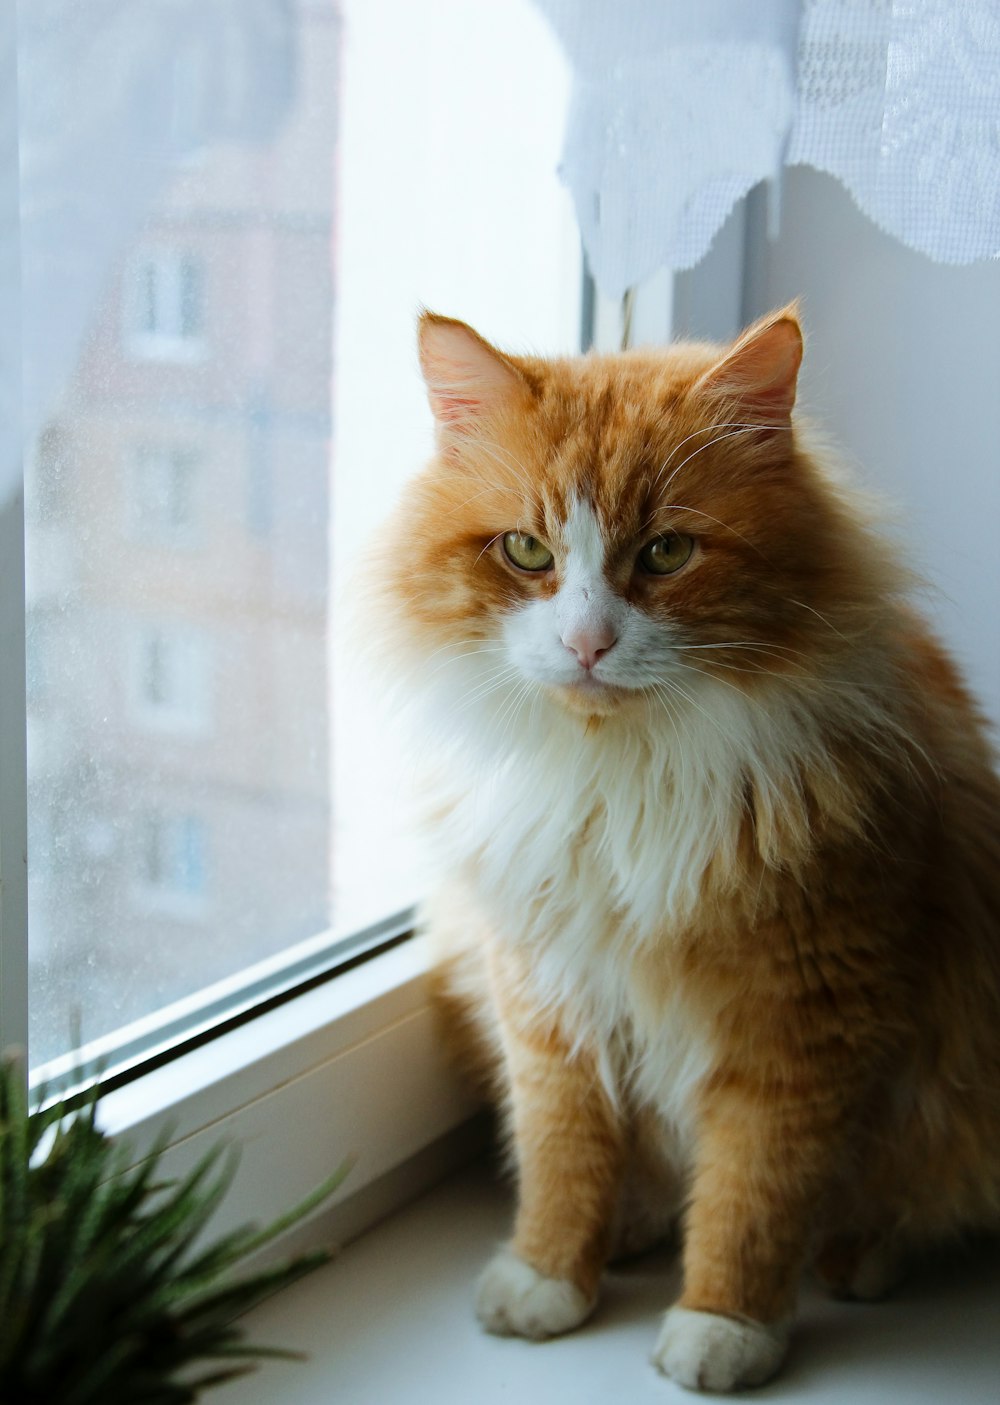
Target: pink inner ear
<point>465,376</point>
<point>452,408</point>
<point>762,369</point>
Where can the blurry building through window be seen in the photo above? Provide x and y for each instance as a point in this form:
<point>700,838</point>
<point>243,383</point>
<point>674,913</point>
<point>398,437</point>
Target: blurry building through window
<point>177,577</point>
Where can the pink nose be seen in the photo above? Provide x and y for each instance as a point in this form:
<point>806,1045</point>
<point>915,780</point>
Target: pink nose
<point>590,644</point>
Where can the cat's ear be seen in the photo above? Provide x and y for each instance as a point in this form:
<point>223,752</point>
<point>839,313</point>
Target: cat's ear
<point>761,369</point>
<point>466,378</point>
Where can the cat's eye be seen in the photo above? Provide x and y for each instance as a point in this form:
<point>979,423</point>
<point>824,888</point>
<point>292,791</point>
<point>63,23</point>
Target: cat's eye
<point>526,552</point>
<point>666,554</point>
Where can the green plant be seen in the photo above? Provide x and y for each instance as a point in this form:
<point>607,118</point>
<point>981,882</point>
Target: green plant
<point>106,1292</point>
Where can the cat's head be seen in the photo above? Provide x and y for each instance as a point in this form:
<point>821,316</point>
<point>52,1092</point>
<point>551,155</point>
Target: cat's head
<point>603,530</point>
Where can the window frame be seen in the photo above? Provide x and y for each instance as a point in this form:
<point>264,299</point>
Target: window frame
<point>13,696</point>
<point>350,1073</point>
<point>13,781</point>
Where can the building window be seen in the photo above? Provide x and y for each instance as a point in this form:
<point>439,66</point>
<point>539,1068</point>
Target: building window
<point>171,861</point>
<point>165,306</point>
<point>162,486</point>
<point>170,679</point>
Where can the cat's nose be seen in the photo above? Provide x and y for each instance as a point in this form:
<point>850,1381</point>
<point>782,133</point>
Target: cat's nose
<point>590,644</point>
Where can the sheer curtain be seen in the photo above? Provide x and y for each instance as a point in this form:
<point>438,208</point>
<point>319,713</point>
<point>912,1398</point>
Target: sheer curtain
<point>678,110</point>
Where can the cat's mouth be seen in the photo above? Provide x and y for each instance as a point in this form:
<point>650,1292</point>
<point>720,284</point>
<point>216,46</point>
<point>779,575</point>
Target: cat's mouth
<point>592,695</point>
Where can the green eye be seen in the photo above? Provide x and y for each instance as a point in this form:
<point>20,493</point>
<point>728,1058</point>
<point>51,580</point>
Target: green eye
<point>664,555</point>
<point>527,553</point>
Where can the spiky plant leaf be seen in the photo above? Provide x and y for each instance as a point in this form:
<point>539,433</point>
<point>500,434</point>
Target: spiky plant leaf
<point>107,1294</point>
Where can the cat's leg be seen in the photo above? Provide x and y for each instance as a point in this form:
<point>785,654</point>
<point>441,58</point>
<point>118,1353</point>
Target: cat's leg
<point>762,1162</point>
<point>859,1251</point>
<point>651,1197</point>
<point>860,1267</point>
<point>461,987</point>
<point>568,1144</point>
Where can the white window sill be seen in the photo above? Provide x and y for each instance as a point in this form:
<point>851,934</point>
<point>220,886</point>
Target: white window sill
<point>352,1070</point>
<point>391,1320</point>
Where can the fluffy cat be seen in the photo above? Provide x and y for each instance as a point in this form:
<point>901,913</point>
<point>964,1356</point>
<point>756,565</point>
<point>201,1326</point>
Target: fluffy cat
<point>721,909</point>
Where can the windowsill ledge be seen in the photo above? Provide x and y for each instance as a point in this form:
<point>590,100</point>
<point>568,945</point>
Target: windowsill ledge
<point>351,1071</point>
<point>391,1320</point>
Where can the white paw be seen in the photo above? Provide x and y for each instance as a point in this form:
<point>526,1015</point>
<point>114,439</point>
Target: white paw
<point>515,1300</point>
<point>704,1351</point>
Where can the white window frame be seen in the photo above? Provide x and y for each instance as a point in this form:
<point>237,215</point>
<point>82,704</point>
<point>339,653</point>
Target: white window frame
<point>13,729</point>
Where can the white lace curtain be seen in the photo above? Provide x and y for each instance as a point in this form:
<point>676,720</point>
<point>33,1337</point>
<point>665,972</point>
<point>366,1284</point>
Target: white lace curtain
<point>679,107</point>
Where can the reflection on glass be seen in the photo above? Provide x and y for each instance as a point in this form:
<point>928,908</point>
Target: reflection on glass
<point>177,315</point>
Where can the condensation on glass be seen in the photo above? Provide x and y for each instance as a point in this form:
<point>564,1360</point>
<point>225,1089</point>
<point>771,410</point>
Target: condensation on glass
<point>178,227</point>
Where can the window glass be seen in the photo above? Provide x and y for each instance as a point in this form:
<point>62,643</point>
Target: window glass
<point>225,249</point>
<point>178,680</point>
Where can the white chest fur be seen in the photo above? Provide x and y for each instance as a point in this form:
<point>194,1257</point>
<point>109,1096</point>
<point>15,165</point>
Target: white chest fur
<point>589,847</point>
<point>588,856</point>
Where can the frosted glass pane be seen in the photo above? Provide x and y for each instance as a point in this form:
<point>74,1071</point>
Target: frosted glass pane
<point>232,210</point>
<point>178,235</point>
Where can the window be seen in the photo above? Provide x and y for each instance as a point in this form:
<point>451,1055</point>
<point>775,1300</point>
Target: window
<point>212,386</point>
<point>164,306</point>
<point>179,723</point>
<point>170,676</point>
<point>172,859</point>
<point>220,401</point>
<point>162,494</point>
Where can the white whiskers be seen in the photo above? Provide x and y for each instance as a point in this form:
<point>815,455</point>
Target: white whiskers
<point>707,429</point>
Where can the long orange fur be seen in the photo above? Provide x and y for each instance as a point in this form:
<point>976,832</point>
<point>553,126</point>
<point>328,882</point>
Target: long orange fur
<point>841,959</point>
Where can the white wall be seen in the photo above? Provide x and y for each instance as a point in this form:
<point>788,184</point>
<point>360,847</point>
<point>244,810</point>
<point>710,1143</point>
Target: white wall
<point>903,365</point>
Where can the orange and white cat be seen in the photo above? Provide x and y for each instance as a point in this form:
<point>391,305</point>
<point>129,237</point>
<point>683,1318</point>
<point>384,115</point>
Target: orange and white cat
<point>719,828</point>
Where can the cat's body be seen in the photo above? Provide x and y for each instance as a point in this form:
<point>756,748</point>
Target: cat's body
<point>721,915</point>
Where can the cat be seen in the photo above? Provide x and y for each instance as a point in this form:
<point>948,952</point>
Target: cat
<point>719,913</point>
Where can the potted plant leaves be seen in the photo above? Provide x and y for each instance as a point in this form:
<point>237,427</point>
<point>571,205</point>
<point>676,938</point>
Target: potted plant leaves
<point>110,1291</point>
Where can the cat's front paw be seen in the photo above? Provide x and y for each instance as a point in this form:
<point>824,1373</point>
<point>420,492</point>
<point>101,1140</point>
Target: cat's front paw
<point>515,1300</point>
<point>704,1351</point>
